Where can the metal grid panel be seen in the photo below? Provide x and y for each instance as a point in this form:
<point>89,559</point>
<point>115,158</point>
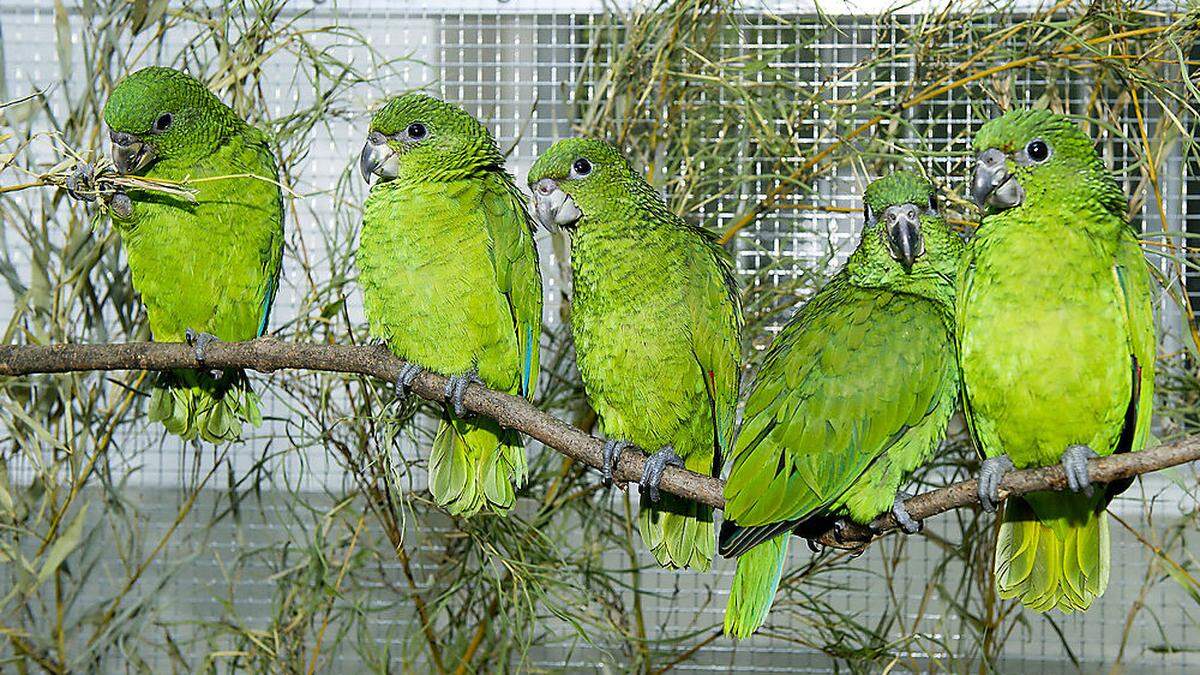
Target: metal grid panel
<point>515,69</point>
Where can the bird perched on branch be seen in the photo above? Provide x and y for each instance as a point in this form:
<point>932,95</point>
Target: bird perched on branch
<point>206,268</point>
<point>854,394</point>
<point>657,324</point>
<point>1056,333</point>
<point>450,281</point>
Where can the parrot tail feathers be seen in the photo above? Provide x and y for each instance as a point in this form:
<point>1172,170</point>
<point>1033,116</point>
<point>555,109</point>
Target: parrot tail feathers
<point>193,404</point>
<point>754,584</point>
<point>475,465</point>
<point>679,533</point>
<point>1052,565</point>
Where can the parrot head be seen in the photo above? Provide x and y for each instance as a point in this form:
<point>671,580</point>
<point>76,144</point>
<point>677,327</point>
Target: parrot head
<point>423,138</point>
<point>904,236</point>
<point>577,176</point>
<point>160,114</point>
<point>1035,157</point>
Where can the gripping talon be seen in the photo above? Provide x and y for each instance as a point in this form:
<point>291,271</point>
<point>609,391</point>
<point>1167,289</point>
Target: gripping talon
<point>404,379</point>
<point>456,387</point>
<point>907,523</point>
<point>81,179</point>
<point>653,470</point>
<point>200,342</point>
<point>612,455</point>
<point>990,475</point>
<point>1075,463</point>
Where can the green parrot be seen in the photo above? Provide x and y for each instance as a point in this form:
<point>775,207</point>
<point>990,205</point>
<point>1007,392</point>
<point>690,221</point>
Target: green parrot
<point>450,281</point>
<point>1056,335</point>
<point>206,270</point>
<point>657,325</point>
<point>854,394</point>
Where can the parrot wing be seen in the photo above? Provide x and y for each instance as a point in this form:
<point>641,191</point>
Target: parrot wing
<point>273,257</point>
<point>515,260</point>
<point>716,330</point>
<point>854,371</point>
<point>1131,276</point>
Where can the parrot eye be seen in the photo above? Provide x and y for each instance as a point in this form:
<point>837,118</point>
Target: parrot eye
<point>1037,150</point>
<point>163,122</point>
<point>417,131</point>
<point>581,167</point>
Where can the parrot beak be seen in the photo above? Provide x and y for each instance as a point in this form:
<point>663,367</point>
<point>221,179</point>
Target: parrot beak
<point>553,207</point>
<point>378,159</point>
<point>903,225</point>
<point>130,154</point>
<point>993,185</point>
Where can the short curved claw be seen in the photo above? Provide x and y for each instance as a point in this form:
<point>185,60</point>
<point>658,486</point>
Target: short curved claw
<point>121,205</point>
<point>456,386</point>
<point>907,523</point>
<point>199,341</point>
<point>1075,462</point>
<point>612,455</point>
<point>79,182</point>
<point>404,379</point>
<point>652,472</point>
<point>990,475</point>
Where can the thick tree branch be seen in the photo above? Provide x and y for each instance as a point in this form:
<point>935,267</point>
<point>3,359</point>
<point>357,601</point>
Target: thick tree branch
<point>269,354</point>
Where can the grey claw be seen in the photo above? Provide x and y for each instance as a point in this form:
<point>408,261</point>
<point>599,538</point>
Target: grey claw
<point>907,523</point>
<point>404,379</point>
<point>200,342</point>
<point>612,455</point>
<point>990,475</point>
<point>814,546</point>
<point>653,470</point>
<point>121,205</point>
<point>81,179</point>
<point>1075,463</point>
<point>456,386</point>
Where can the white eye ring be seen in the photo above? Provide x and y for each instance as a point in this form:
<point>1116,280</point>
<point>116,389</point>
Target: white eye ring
<point>580,168</point>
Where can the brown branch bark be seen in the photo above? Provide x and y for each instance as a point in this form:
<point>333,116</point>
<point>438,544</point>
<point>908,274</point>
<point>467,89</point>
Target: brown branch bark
<point>269,354</point>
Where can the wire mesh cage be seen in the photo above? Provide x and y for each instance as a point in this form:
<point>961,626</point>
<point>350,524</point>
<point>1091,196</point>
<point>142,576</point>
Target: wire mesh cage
<point>313,544</point>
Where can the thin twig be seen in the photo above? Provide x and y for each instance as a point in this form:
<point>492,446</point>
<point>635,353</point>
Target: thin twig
<point>269,354</point>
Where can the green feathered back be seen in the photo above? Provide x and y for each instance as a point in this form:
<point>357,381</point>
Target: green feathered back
<point>854,394</point>
<point>212,266</point>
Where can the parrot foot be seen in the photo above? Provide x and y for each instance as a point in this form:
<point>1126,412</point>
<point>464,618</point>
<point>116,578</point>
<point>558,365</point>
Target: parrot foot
<point>404,379</point>
<point>907,523</point>
<point>1075,462</point>
<point>456,386</point>
<point>612,455</point>
<point>200,341</point>
<point>79,182</point>
<point>653,470</point>
<point>121,205</point>
<point>990,474</point>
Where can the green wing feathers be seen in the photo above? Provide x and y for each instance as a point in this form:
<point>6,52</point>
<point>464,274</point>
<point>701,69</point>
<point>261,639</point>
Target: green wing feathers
<point>475,465</point>
<point>680,532</point>
<point>514,257</point>
<point>754,585</point>
<point>861,380</point>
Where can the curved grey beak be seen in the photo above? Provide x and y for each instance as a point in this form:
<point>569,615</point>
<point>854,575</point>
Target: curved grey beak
<point>130,154</point>
<point>377,159</point>
<point>903,225</point>
<point>553,207</point>
<point>992,184</point>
